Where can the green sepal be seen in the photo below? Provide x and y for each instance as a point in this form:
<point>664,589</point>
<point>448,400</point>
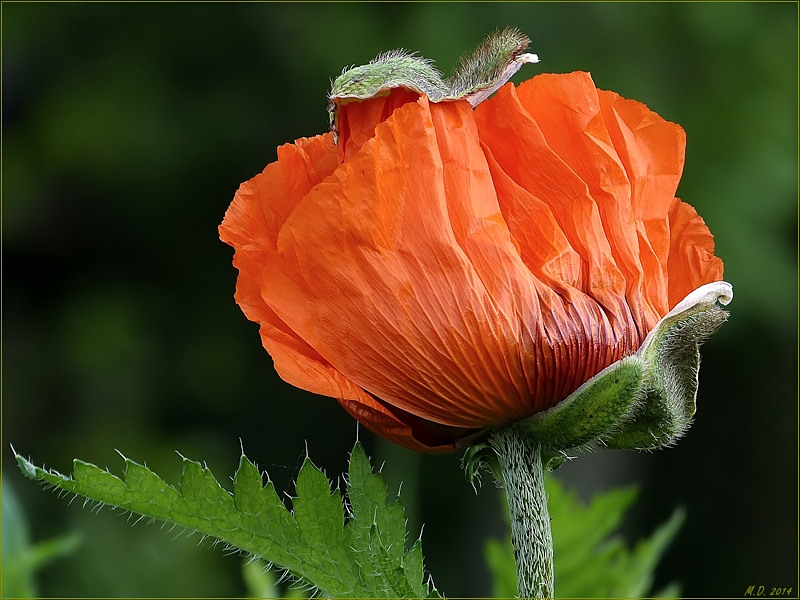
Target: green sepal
<point>476,77</point>
<point>644,401</point>
<point>394,69</point>
<point>481,72</point>
<point>478,458</point>
<point>671,353</point>
<point>641,402</point>
<point>553,460</point>
<point>591,413</point>
<point>586,418</point>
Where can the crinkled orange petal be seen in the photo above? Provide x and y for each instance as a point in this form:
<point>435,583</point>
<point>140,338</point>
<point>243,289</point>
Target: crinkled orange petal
<point>258,211</point>
<point>356,121</point>
<point>607,169</point>
<point>389,295</point>
<point>575,128</point>
<point>691,252</point>
<point>511,132</point>
<point>251,225</point>
<point>652,151</point>
<point>408,430</point>
<point>370,273</point>
<point>261,206</point>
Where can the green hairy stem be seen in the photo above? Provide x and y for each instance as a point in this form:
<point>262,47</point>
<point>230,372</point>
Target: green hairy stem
<point>522,471</point>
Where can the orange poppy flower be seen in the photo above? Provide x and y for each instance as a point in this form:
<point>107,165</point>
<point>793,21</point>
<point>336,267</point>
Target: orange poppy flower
<point>445,270</point>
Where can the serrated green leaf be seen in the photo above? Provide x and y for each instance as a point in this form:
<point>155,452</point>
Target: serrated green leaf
<point>360,554</point>
<point>378,532</point>
<point>414,566</point>
<point>587,562</point>
<point>265,515</point>
<point>324,541</point>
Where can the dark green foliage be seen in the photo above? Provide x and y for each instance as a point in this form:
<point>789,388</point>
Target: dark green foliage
<point>20,557</point>
<point>590,561</point>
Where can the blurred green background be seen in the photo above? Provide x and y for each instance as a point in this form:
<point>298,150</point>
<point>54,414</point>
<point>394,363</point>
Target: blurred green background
<point>126,131</point>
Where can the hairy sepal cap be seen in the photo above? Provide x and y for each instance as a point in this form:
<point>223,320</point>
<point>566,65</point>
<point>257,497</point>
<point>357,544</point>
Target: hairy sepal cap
<point>671,353</point>
<point>477,76</point>
<point>643,401</point>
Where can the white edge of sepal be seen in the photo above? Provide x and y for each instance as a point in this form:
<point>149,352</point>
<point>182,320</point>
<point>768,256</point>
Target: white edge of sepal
<point>515,65</point>
<point>711,293</point>
<point>527,58</point>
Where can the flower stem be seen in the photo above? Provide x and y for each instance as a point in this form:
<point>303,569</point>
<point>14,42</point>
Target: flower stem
<point>520,461</point>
